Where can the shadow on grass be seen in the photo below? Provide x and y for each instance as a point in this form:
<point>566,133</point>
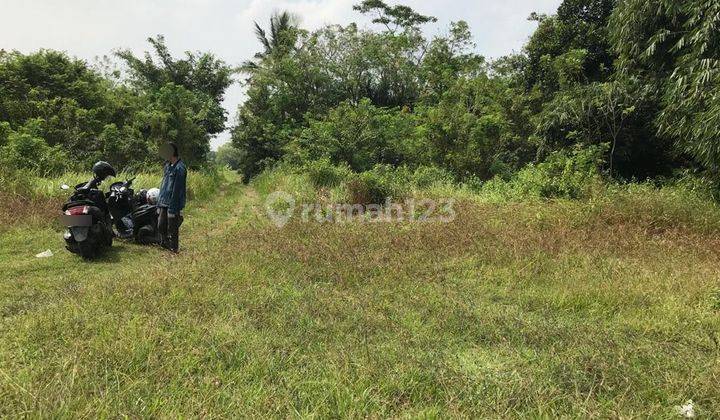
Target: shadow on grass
<point>110,255</point>
<point>121,250</point>
<point>126,249</point>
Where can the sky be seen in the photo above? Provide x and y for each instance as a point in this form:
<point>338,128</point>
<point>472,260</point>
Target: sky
<point>89,29</point>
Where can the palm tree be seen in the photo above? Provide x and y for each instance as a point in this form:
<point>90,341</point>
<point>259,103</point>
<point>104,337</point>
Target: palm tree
<point>279,40</point>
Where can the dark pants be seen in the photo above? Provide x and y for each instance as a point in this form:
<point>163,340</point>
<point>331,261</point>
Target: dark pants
<point>169,228</point>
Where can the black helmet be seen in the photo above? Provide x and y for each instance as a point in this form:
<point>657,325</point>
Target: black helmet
<point>103,170</point>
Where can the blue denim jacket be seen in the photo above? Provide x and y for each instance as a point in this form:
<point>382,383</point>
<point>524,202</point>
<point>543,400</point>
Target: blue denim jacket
<point>172,189</point>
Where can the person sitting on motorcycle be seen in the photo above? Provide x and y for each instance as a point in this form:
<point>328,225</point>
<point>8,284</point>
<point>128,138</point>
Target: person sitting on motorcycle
<point>171,199</point>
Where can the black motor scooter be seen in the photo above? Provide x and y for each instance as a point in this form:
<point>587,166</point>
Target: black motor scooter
<point>145,219</point>
<point>134,217</point>
<point>86,215</point>
<point>121,202</point>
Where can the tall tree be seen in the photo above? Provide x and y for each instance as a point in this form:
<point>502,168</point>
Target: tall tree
<point>185,96</point>
<point>579,27</point>
<point>64,103</point>
<point>675,46</point>
<point>279,39</point>
<point>201,73</point>
<point>393,17</point>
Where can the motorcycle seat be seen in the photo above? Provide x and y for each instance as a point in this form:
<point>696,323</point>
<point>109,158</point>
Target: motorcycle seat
<point>144,210</point>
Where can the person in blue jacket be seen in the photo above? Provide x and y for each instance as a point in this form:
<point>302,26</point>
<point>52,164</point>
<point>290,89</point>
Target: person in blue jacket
<point>171,199</point>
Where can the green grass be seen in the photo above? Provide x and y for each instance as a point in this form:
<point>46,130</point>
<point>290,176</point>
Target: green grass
<point>602,308</point>
<point>37,200</point>
<point>200,183</point>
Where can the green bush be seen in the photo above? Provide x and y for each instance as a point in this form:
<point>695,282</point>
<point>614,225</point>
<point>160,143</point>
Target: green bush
<point>23,151</point>
<point>323,173</point>
<point>4,132</point>
<point>564,174</point>
<point>378,184</point>
<point>361,135</point>
<point>428,176</point>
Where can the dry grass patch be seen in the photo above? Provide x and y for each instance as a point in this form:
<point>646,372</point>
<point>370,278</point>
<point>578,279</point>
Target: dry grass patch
<point>512,310</point>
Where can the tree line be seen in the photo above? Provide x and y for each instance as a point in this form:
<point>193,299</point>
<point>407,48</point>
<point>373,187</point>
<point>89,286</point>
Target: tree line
<point>633,82</point>
<point>58,113</point>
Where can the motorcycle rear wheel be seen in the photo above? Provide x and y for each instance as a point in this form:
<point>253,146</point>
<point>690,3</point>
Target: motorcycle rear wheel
<point>87,250</point>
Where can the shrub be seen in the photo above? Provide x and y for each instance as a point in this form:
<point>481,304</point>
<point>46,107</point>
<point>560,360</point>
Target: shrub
<point>428,176</point>
<point>468,131</point>
<point>323,173</point>
<point>361,135</point>
<point>23,151</point>
<point>564,174</point>
<point>378,184</point>
<point>4,132</point>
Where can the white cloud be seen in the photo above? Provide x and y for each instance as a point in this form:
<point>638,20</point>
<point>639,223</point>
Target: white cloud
<point>312,14</point>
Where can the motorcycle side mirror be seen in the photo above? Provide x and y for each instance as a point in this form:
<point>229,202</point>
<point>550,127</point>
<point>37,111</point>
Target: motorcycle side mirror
<point>65,187</point>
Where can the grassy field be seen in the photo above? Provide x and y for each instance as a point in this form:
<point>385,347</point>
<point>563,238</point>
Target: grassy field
<point>29,200</point>
<point>607,308</point>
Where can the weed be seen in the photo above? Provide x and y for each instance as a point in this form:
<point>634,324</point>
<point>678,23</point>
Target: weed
<point>559,308</point>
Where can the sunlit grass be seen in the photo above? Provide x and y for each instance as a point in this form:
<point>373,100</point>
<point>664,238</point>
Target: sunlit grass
<point>201,183</point>
<point>26,199</point>
<point>603,308</point>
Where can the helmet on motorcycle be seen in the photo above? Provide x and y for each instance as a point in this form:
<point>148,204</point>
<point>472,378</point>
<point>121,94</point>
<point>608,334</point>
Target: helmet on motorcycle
<point>102,170</point>
<point>152,195</point>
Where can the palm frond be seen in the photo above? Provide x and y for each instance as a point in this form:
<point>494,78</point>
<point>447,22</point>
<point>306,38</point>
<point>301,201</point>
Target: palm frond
<point>262,37</point>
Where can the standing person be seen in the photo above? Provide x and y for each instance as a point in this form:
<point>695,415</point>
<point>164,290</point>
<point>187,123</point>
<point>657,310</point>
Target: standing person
<point>171,199</point>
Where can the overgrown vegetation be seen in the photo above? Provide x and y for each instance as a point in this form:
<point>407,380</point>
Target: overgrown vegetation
<point>599,307</point>
<point>57,113</point>
<point>578,278</point>
<point>640,77</point>
<point>588,77</point>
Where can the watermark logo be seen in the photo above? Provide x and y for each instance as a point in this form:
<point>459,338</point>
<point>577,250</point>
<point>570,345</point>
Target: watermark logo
<point>281,207</point>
